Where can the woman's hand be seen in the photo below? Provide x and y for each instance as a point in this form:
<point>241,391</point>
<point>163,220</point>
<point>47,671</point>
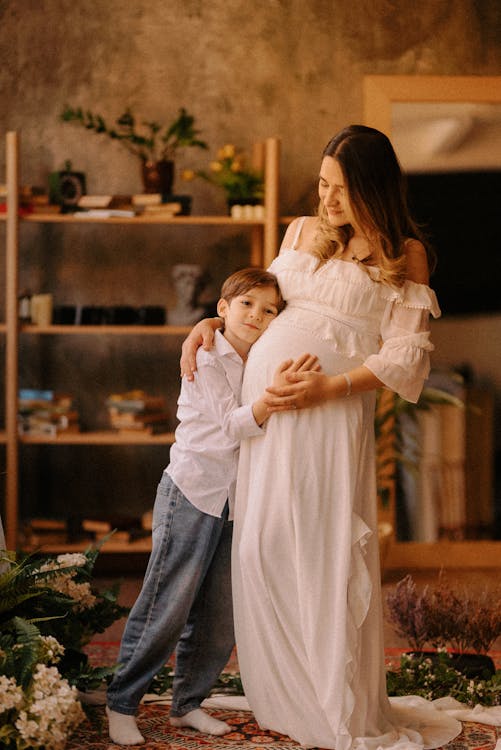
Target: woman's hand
<point>303,389</point>
<point>306,362</point>
<point>202,334</point>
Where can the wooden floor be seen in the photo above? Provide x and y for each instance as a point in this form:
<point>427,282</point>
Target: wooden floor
<point>477,578</point>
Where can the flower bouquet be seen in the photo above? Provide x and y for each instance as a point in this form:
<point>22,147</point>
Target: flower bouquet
<point>229,172</point>
<point>48,612</point>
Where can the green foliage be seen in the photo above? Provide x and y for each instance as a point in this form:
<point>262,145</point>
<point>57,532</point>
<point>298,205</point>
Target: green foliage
<point>229,683</point>
<point>388,431</point>
<point>147,141</point>
<point>437,678</point>
<point>56,595</point>
<point>230,173</point>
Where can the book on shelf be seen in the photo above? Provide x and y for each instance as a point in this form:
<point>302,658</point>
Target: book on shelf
<point>44,412</point>
<point>107,213</point>
<point>135,401</point>
<point>163,209</point>
<point>157,428</point>
<point>146,199</point>
<point>36,532</point>
<point>137,420</point>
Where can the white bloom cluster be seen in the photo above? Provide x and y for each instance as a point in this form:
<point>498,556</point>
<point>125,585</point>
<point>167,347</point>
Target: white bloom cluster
<point>74,559</point>
<point>11,695</point>
<point>81,593</point>
<point>50,712</point>
<point>51,649</point>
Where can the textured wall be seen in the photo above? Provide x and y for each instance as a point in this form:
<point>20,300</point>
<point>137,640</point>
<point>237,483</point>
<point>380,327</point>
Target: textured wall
<point>286,68</point>
<point>290,68</point>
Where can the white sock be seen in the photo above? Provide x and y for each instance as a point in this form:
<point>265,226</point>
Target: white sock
<point>204,722</point>
<point>122,729</point>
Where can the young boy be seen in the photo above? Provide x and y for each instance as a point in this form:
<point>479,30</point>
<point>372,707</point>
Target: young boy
<point>186,593</point>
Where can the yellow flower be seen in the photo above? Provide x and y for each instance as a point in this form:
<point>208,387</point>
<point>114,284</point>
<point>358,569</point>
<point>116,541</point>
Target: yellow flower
<point>226,152</point>
<point>216,166</point>
<point>188,175</point>
<point>236,166</point>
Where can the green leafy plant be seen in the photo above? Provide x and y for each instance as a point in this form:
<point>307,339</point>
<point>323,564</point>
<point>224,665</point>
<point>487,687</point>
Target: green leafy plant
<point>38,706</point>
<point>56,595</point>
<point>390,408</point>
<point>229,172</point>
<point>150,140</point>
<point>437,678</point>
<point>228,683</point>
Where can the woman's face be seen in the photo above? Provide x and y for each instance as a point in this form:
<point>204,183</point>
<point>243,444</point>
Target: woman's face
<point>333,193</point>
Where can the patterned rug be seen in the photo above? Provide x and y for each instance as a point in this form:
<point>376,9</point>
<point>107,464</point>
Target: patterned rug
<point>246,735</point>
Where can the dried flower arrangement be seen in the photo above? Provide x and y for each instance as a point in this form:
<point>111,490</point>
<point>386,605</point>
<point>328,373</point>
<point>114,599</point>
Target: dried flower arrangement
<point>460,627</point>
<point>440,617</point>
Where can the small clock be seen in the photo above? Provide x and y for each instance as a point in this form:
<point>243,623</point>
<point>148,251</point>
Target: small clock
<point>66,188</point>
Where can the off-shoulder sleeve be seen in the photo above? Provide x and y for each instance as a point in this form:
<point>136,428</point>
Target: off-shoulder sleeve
<point>403,361</point>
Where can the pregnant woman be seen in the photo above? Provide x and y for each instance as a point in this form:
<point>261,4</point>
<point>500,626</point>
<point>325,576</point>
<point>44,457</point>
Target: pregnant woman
<point>306,578</point>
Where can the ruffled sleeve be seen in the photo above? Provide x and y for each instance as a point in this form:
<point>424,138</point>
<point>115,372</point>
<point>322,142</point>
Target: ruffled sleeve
<point>403,361</point>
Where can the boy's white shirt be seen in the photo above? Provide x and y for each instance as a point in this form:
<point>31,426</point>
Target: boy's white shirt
<point>204,458</point>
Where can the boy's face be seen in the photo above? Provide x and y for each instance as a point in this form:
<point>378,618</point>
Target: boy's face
<point>247,316</point>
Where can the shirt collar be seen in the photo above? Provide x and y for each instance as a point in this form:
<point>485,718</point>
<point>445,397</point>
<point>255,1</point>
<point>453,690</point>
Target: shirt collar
<point>225,349</point>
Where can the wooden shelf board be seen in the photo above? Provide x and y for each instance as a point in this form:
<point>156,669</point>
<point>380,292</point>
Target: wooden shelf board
<point>3,328</point>
<point>99,437</point>
<point>141,546</point>
<point>176,220</point>
<point>3,437</point>
<point>107,329</point>
<point>442,554</point>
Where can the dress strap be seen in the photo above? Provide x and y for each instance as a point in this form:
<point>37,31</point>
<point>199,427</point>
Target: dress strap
<point>300,223</point>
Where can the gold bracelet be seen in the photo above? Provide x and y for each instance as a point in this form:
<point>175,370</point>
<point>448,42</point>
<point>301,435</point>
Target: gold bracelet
<point>348,383</point>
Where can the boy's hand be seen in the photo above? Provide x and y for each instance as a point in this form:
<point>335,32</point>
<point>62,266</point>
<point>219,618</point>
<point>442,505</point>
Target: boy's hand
<point>202,334</point>
<point>304,363</point>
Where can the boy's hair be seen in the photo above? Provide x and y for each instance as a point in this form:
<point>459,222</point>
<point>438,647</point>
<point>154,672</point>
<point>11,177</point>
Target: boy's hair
<point>246,279</point>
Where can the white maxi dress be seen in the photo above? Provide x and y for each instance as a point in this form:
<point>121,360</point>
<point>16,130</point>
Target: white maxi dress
<point>305,557</point>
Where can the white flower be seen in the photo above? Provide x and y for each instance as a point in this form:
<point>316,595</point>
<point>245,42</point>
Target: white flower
<point>51,649</point>
<point>51,710</point>
<point>75,559</point>
<point>11,695</point>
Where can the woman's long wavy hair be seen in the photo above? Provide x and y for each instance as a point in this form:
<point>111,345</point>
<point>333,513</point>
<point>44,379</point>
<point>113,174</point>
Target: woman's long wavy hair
<point>377,194</point>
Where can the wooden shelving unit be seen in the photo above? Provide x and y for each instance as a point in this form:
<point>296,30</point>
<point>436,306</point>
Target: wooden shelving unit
<point>264,243</point>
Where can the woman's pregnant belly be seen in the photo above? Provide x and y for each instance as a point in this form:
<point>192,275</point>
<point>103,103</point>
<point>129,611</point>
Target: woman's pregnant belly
<point>282,341</point>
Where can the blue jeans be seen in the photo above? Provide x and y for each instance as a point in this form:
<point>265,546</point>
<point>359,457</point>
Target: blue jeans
<point>185,600</point>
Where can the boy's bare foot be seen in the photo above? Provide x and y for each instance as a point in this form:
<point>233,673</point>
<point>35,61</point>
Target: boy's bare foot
<point>122,729</point>
<point>204,722</point>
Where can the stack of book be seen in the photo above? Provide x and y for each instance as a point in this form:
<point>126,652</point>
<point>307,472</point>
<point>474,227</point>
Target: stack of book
<point>32,200</point>
<point>38,532</point>
<point>139,412</point>
<point>153,204</point>
<point>44,412</point>
<point>141,204</point>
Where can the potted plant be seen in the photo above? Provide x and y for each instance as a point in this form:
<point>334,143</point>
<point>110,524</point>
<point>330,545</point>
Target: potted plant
<point>155,145</point>
<point>438,618</point>
<point>241,184</point>
<point>389,447</point>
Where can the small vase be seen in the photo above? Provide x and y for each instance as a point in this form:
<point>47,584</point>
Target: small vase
<point>158,176</point>
<point>242,202</point>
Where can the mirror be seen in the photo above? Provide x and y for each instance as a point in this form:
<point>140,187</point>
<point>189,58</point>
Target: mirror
<point>440,123</point>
